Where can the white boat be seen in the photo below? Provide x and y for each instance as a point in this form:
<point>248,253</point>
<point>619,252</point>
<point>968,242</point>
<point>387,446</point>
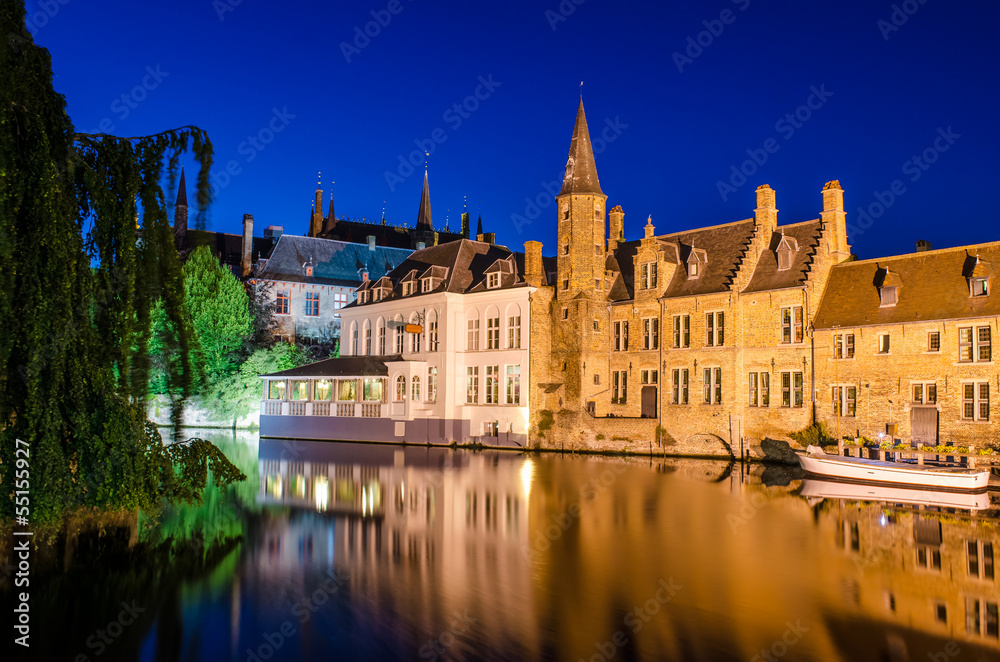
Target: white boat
<point>818,463</point>
<point>829,489</point>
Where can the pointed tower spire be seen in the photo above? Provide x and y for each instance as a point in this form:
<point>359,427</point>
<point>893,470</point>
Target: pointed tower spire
<point>424,213</point>
<point>331,221</point>
<point>479,226</point>
<point>581,170</point>
<point>181,207</point>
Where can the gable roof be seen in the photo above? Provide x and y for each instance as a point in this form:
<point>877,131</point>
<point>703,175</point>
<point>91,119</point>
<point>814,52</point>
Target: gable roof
<point>767,276</point>
<point>334,262</point>
<point>934,286</point>
<point>725,246</point>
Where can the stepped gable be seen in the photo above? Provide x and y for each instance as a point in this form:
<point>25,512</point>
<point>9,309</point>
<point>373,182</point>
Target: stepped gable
<point>767,276</point>
<point>724,247</point>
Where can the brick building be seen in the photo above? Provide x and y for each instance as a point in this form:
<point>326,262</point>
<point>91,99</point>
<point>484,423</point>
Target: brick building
<point>906,341</point>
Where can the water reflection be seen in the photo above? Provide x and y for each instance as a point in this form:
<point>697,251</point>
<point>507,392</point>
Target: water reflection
<point>378,552</point>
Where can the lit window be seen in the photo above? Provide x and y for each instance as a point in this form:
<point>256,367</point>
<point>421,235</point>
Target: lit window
<point>432,384</point>
<point>400,388</point>
<point>843,346</point>
<point>493,333</point>
<point>513,385</point>
<point>974,344</point>
<point>980,286</point>
<point>514,332</point>
<point>492,385</point>
<point>845,400</point>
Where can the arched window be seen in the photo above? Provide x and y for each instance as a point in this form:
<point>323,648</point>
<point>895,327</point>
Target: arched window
<point>367,335</point>
<point>472,330</point>
<point>354,339</point>
<point>432,331</point>
<point>513,326</point>
<point>415,393</point>
<point>381,336</point>
<point>398,335</point>
<point>492,328</point>
<point>400,388</point>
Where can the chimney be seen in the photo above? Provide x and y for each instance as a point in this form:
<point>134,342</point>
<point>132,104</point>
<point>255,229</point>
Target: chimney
<point>766,213</point>
<point>488,237</point>
<point>835,221</point>
<point>923,246</point>
<point>316,221</point>
<point>616,232</point>
<point>245,263</point>
<point>534,273</point>
<point>371,242</point>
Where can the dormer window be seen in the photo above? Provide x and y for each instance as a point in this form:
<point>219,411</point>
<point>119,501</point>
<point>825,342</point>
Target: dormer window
<point>979,273</point>
<point>362,297</point>
<point>784,259</point>
<point>426,285</point>
<point>693,270</point>
<point>407,289</point>
<point>376,295</point>
<point>493,280</point>
<point>888,284</point>
<point>309,271</point>
<point>697,258</point>
<point>980,286</point>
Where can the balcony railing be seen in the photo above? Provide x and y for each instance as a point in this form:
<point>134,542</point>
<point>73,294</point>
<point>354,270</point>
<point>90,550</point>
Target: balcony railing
<point>321,409</point>
<point>326,409</point>
<point>371,410</point>
<point>297,409</point>
<point>345,408</point>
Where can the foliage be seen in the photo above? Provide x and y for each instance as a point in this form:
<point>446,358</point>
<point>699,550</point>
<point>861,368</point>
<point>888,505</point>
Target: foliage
<point>219,309</point>
<point>816,434</point>
<point>74,352</point>
<point>232,397</point>
<point>545,421</point>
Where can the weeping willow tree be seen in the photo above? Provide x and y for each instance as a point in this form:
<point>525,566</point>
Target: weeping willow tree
<point>77,279</point>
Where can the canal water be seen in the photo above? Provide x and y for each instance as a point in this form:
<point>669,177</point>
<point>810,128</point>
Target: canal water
<point>378,552</point>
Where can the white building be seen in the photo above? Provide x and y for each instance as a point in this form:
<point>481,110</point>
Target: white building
<point>436,351</point>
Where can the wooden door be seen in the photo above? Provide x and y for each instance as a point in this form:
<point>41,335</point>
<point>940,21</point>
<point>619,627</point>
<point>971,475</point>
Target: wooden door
<point>924,425</point>
<point>649,402</point>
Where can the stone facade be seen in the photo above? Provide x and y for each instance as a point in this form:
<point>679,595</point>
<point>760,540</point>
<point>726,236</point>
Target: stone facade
<point>706,341</point>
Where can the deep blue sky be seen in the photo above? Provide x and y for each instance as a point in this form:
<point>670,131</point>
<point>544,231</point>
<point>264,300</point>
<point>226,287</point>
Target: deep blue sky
<point>680,131</point>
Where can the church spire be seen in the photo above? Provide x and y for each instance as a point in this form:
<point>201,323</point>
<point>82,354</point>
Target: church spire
<point>181,207</point>
<point>581,170</point>
<point>424,213</point>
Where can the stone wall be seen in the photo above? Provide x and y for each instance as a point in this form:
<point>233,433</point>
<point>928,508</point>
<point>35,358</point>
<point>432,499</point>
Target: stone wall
<point>196,416</point>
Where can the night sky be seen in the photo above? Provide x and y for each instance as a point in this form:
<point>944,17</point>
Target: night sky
<point>289,89</point>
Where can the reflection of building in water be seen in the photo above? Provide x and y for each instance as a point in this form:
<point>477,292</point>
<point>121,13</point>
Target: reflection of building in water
<point>429,531</point>
<point>927,568</point>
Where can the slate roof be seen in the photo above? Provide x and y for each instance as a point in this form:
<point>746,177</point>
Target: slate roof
<point>334,262</point>
<point>467,263</point>
<point>348,366</point>
<point>581,170</point>
<point>228,247</point>
<point>767,276</point>
<point>934,286</point>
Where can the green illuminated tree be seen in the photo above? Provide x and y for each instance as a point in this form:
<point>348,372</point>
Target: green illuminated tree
<point>74,346</point>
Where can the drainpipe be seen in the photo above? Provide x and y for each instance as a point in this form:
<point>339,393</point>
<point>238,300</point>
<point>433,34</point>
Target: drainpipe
<point>812,355</point>
<point>662,373</point>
